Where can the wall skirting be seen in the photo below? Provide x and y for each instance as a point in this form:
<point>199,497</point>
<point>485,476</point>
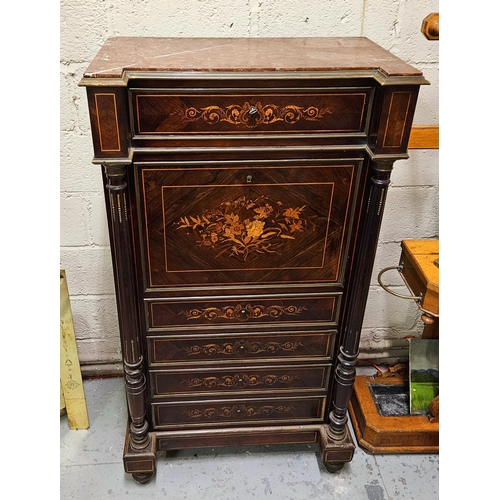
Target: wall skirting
<point>102,369</point>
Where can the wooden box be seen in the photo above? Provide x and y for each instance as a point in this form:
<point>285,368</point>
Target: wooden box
<point>378,433</point>
<point>420,270</point>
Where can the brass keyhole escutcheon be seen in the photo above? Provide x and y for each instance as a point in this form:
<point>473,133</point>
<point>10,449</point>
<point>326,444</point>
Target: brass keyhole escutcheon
<point>249,178</point>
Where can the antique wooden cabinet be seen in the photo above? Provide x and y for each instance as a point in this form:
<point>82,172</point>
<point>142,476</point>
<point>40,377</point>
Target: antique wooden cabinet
<point>245,182</point>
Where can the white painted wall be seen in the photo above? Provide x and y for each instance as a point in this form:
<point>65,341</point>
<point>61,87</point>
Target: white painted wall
<point>412,205</point>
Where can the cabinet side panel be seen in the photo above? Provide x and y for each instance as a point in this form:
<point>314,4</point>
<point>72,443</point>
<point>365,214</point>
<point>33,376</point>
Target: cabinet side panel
<point>109,121</point>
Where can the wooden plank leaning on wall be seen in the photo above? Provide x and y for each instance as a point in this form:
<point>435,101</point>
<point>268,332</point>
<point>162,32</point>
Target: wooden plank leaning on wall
<point>424,137</point>
<point>72,392</point>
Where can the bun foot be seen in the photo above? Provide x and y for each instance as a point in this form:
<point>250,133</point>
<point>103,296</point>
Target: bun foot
<point>142,477</point>
<point>333,466</point>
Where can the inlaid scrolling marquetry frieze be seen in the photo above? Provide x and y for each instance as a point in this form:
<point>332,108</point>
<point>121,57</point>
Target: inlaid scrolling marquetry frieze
<point>243,312</point>
<point>247,226</point>
<point>242,348</point>
<point>164,113</point>
<point>238,411</point>
<point>240,381</point>
<point>252,115</point>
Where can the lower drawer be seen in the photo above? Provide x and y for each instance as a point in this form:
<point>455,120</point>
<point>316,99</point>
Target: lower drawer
<point>168,383</point>
<point>306,409</point>
<point>278,347</point>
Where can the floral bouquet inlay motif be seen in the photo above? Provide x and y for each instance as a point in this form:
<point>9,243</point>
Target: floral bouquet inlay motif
<point>245,226</point>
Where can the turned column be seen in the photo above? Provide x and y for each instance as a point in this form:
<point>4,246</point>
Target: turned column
<point>387,142</point>
<point>357,294</point>
<point>133,363</point>
<point>111,134</point>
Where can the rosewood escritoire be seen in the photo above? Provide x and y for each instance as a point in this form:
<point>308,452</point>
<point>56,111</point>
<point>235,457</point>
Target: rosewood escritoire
<point>245,182</point>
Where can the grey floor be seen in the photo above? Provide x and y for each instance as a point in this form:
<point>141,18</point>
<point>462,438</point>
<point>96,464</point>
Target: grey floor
<point>91,466</point>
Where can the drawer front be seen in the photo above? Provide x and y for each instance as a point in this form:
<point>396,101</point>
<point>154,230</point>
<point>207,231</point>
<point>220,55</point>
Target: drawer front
<point>248,347</point>
<point>242,311</point>
<point>252,224</point>
<point>157,113</point>
<point>238,411</point>
<point>167,383</point>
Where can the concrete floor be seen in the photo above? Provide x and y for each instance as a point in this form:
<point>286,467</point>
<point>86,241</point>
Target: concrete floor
<point>91,466</point>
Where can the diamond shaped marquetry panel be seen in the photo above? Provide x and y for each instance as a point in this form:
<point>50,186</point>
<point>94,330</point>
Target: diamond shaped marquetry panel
<point>277,224</point>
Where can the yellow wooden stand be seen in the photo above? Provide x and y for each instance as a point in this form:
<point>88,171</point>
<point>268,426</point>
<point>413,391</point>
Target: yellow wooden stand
<point>72,394</point>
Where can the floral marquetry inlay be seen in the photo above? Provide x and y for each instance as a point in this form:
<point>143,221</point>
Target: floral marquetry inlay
<point>237,411</point>
<point>242,348</point>
<point>239,381</point>
<point>247,226</point>
<point>243,312</point>
<point>253,115</point>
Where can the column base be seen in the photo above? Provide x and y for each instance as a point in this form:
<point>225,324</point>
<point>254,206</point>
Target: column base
<point>140,463</point>
<point>335,453</point>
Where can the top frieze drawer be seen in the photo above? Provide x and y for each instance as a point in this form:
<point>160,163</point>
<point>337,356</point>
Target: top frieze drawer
<point>332,111</point>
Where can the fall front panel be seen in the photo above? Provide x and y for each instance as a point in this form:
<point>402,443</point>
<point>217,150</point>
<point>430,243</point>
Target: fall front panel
<point>247,224</point>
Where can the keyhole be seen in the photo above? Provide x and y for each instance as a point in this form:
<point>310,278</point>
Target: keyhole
<point>249,178</point>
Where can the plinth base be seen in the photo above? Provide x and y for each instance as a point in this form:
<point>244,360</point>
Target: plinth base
<point>334,454</point>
